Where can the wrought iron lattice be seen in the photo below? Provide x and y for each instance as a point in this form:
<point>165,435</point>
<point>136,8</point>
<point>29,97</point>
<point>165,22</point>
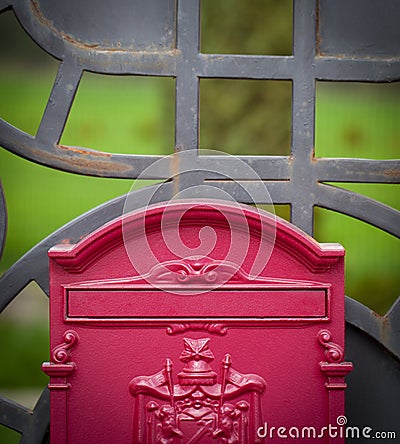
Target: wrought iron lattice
<point>170,46</point>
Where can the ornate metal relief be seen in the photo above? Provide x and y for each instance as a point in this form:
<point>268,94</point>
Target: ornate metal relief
<point>334,352</point>
<point>196,271</point>
<point>197,409</point>
<point>334,368</point>
<point>60,366</point>
<point>216,328</point>
<point>61,353</point>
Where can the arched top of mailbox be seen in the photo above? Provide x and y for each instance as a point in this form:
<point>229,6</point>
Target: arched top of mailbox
<point>305,249</point>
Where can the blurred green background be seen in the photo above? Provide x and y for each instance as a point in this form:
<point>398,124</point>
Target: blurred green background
<point>136,115</point>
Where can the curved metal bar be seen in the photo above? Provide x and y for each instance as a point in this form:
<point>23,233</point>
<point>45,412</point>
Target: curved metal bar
<point>358,206</point>
<point>73,159</point>
<point>356,170</point>
<point>5,4</point>
<point>3,219</point>
<point>97,163</point>
<point>384,329</point>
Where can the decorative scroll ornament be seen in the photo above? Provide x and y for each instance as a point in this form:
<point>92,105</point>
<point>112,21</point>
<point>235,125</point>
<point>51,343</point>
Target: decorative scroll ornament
<point>334,352</point>
<point>61,367</point>
<point>194,270</point>
<point>197,409</point>
<point>334,368</point>
<point>219,329</point>
<point>61,353</point>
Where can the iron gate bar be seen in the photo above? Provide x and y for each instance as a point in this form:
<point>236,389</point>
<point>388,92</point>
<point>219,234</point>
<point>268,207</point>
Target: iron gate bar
<point>359,206</point>
<point>353,70</point>
<point>187,81</point>
<point>303,104</point>
<point>356,170</point>
<point>228,66</point>
<point>378,327</point>
<point>59,104</point>
<point>32,424</point>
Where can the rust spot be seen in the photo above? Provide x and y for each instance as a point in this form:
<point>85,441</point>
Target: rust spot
<point>46,22</point>
<point>376,315</point>
<point>36,9</point>
<point>101,167</point>
<point>75,42</point>
<point>82,164</point>
<point>386,330</point>
<point>84,151</point>
<point>385,327</point>
<point>392,173</point>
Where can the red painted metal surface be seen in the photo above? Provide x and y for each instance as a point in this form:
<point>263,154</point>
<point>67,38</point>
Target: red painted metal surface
<point>196,349</point>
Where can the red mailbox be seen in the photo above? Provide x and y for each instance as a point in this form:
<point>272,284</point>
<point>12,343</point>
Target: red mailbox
<point>197,348</point>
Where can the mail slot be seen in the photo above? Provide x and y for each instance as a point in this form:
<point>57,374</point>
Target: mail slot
<point>149,346</point>
<point>148,304</point>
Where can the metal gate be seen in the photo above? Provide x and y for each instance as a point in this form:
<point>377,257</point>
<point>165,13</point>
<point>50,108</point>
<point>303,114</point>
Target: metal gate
<point>326,42</point>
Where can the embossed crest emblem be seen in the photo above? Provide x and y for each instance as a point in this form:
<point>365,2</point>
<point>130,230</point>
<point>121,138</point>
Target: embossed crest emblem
<point>198,408</point>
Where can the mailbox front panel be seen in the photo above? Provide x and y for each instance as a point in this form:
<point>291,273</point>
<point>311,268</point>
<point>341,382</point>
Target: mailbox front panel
<point>196,350</point>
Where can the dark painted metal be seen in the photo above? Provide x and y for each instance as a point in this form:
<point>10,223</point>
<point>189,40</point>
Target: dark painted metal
<point>358,206</point>
<point>143,42</point>
<point>381,328</point>
<point>149,26</point>
<point>367,29</point>
<point>33,425</point>
<point>59,104</point>
<point>303,114</point>
<point>357,70</point>
<point>332,41</point>
<point>372,394</point>
<point>357,170</point>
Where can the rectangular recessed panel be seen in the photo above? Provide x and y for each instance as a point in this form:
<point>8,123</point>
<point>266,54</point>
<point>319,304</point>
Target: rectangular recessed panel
<point>114,304</point>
